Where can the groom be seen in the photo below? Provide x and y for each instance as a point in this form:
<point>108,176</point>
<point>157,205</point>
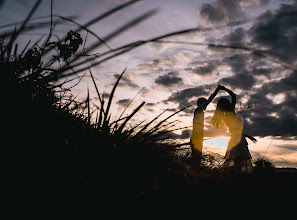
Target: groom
<point>198,127</point>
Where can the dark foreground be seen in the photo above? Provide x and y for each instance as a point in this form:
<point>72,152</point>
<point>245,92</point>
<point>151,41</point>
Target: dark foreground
<point>128,188</point>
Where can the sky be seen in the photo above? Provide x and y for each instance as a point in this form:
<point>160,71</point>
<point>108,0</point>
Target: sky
<point>255,57</point>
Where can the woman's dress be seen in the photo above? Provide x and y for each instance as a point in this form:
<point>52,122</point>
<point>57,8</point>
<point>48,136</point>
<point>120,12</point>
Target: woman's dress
<point>237,151</point>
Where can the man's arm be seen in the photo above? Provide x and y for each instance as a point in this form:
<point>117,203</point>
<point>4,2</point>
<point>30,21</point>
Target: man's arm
<point>211,97</point>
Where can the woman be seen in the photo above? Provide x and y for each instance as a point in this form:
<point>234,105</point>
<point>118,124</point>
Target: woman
<point>237,154</point>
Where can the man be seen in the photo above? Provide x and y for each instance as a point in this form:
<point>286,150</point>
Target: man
<point>198,127</point>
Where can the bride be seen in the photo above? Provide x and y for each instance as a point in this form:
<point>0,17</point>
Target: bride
<point>237,153</point>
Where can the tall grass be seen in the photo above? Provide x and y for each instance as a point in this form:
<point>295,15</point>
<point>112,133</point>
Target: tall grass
<point>62,149</point>
<point>55,142</point>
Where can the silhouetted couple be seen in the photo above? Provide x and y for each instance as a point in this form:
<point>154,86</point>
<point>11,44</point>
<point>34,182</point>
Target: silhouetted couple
<point>237,153</point>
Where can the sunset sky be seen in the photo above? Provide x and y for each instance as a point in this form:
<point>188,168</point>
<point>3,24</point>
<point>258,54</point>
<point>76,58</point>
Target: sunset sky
<point>260,65</point>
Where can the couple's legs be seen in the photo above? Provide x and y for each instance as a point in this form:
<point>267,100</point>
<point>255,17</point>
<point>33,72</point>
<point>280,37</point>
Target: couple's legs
<point>196,147</point>
<point>239,164</point>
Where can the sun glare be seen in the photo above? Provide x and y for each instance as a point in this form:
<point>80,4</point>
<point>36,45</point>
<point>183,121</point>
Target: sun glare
<point>219,142</point>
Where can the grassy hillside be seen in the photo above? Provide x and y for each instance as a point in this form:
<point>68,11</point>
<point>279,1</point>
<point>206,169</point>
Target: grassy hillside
<point>57,154</point>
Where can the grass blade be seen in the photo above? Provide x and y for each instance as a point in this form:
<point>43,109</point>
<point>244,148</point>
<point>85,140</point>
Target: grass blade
<point>115,33</point>
<point>16,33</point>
<point>111,96</point>
<point>129,117</point>
<point>101,114</point>
<point>164,120</point>
<point>88,105</point>
<point>149,123</point>
<point>130,103</point>
<point>97,90</point>
<point>100,17</point>
<point>110,12</point>
<point>123,28</point>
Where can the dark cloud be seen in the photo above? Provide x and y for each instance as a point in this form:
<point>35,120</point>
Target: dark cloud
<point>187,96</point>
<point>244,81</point>
<point>286,85</point>
<point>170,79</point>
<point>242,77</point>
<point>276,31</point>
<point>262,71</point>
<point>220,12</point>
<point>126,81</point>
<point>269,118</point>
<point>289,83</point>
<point>263,125</point>
<point>205,69</point>
<point>210,14</point>
<point>150,104</point>
<point>123,102</point>
<point>237,62</point>
<point>236,37</point>
<point>265,117</point>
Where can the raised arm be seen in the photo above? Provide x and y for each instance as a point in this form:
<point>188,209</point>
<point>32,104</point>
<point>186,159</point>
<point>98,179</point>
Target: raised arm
<point>250,137</point>
<point>211,97</point>
<point>232,94</point>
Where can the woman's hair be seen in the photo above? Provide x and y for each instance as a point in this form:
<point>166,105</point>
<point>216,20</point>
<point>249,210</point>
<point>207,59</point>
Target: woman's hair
<point>223,107</point>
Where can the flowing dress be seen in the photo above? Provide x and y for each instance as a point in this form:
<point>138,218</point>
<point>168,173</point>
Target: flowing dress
<point>237,152</point>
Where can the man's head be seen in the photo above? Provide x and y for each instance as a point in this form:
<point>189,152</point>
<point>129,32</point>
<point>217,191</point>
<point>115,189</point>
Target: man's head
<point>200,101</point>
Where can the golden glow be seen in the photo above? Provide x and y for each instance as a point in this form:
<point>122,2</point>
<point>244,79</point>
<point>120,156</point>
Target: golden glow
<point>219,142</point>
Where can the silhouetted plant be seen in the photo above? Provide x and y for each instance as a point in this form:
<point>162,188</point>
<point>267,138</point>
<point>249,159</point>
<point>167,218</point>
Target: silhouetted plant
<point>60,129</point>
<point>264,166</point>
<point>72,42</point>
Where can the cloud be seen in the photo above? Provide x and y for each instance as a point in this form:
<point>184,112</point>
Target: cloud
<point>204,69</point>
<point>220,12</point>
<point>123,102</point>
<point>284,123</point>
<point>242,81</point>
<point>160,47</point>
<point>287,84</point>
<point>189,96</point>
<point>126,81</point>
<point>249,3</point>
<point>237,62</point>
<point>276,32</point>
<point>265,117</point>
<point>257,80</point>
<point>157,65</point>
<point>242,77</point>
<point>169,79</point>
<point>236,37</point>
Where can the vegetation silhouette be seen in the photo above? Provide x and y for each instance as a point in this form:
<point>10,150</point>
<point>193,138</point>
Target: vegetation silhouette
<point>58,155</point>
